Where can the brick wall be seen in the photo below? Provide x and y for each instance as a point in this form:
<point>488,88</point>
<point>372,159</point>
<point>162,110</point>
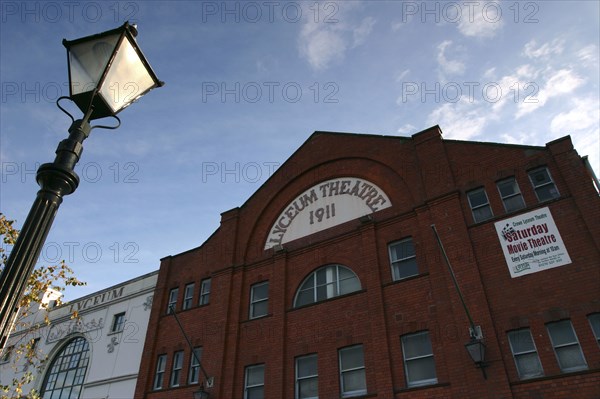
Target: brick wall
<point>426,179</point>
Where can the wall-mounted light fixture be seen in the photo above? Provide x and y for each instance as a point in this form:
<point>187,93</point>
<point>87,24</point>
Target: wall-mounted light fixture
<point>475,346</point>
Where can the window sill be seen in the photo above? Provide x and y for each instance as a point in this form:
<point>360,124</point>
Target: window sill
<point>257,318</point>
<point>335,298</point>
<point>420,387</point>
<point>403,280</point>
<point>556,376</point>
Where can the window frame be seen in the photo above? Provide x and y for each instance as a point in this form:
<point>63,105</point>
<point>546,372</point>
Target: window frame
<point>173,297</point>
<point>253,302</point>
<point>516,355</point>
<point>188,296</point>
<point>118,323</point>
<point>159,372</point>
<point>335,283</point>
<point>515,194</point>
<point>594,320</point>
<point>205,289</point>
<point>195,366</point>
<point>176,367</point>
<point>345,393</point>
<point>407,362</point>
<point>584,365</point>
<point>298,379</point>
<point>550,182</point>
<point>69,366</point>
<point>477,207</point>
<point>247,387</point>
<point>395,264</point>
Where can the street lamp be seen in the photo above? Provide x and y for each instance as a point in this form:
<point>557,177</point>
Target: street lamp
<point>476,349</point>
<point>201,393</point>
<point>107,72</point>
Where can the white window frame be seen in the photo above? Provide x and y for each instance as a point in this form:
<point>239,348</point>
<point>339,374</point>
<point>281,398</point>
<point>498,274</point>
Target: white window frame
<point>247,387</point>
<point>300,379</point>
<point>159,375</point>
<point>594,320</point>
<point>480,206</point>
<point>118,323</point>
<point>332,285</point>
<point>409,360</point>
<point>574,343</point>
<point>517,355</point>
<point>550,182</point>
<point>205,288</point>
<point>253,301</point>
<point>515,194</point>
<point>176,367</point>
<point>346,393</point>
<point>396,264</point>
<point>194,373</point>
<point>188,296</point>
<point>173,294</point>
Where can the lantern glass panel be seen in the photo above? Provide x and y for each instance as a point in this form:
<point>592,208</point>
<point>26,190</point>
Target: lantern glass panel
<point>127,79</point>
<point>88,60</point>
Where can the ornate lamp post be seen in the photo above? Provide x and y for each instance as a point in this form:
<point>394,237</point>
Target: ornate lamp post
<point>107,72</point>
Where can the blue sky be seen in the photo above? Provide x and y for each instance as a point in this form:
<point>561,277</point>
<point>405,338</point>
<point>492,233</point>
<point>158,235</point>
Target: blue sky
<point>246,85</point>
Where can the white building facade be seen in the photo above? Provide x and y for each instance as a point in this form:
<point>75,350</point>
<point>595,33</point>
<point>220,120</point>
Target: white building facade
<point>94,355</point>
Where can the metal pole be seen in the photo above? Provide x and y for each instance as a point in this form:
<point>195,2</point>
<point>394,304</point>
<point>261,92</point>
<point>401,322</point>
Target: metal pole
<point>209,380</point>
<point>462,300</point>
<point>56,180</point>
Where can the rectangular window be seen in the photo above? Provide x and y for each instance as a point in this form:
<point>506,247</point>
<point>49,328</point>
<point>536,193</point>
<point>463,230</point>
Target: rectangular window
<point>419,365</point>
<point>173,294</point>
<point>254,383</point>
<point>188,296</point>
<point>403,259</point>
<point>566,346</point>
<point>118,322</point>
<point>307,377</point>
<point>511,195</point>
<point>480,206</point>
<point>176,370</point>
<point>205,292</point>
<point>259,300</point>
<point>353,380</point>
<point>194,375</point>
<point>595,323</point>
<point>544,186</point>
<point>525,354</point>
<point>161,364</point>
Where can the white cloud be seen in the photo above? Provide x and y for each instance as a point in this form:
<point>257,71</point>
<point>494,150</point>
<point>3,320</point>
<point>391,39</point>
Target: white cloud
<point>560,82</point>
<point>481,19</point>
<point>589,55</point>
<point>407,128</point>
<point>584,114</point>
<point>323,44</point>
<point>555,47</point>
<point>361,33</point>
<point>462,120</point>
<point>451,67</point>
<point>401,75</point>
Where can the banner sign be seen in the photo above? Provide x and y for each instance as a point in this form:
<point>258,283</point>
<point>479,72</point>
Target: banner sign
<point>325,205</point>
<point>531,243</point>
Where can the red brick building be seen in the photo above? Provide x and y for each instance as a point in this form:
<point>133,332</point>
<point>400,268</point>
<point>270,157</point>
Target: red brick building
<point>330,281</point>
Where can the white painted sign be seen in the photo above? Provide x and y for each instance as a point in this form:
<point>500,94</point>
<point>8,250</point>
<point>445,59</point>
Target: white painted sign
<point>531,243</point>
<point>325,205</point>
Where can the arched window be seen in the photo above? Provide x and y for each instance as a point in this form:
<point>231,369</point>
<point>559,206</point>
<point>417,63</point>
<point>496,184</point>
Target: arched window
<point>326,282</point>
<point>65,376</point>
